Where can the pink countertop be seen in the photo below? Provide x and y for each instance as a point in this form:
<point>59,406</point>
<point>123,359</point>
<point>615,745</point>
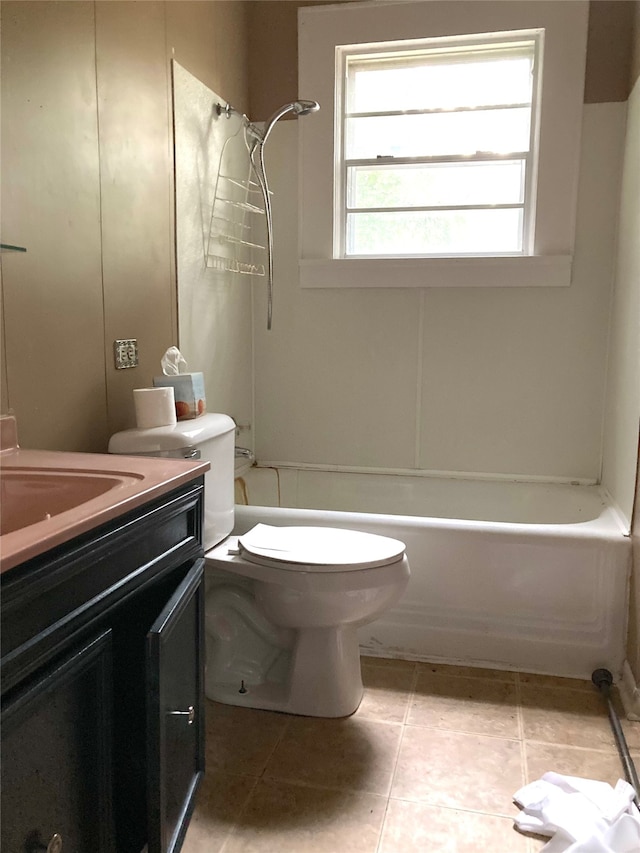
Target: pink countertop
<point>49,497</point>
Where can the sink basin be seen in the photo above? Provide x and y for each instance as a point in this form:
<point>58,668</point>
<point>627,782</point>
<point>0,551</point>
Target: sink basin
<point>49,497</point>
<point>31,495</point>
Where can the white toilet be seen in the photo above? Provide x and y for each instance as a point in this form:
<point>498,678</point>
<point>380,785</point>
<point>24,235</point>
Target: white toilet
<point>315,586</point>
<point>283,604</point>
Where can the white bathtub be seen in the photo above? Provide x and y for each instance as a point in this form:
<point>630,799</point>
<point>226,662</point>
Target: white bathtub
<point>512,575</point>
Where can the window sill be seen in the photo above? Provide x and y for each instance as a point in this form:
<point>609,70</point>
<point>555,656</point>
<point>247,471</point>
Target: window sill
<point>525,271</point>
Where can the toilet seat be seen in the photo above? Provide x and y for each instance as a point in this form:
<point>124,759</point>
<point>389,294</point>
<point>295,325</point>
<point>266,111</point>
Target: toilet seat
<point>321,549</point>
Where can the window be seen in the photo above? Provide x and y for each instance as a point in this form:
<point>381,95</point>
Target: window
<point>437,147</point>
<point>467,177</point>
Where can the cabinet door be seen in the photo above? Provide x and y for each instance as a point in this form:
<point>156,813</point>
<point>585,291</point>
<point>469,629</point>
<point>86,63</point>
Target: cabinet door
<point>56,756</point>
<point>175,707</point>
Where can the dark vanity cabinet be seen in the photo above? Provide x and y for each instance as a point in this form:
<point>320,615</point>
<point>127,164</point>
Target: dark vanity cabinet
<point>102,685</point>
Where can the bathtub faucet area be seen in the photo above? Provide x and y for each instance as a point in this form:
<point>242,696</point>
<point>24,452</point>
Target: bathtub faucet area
<point>245,453</point>
<point>243,460</point>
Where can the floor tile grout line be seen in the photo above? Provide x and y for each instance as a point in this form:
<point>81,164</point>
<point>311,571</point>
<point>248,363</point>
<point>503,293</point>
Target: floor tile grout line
<point>405,716</point>
<point>407,725</point>
<point>602,750</point>
<point>237,822</point>
<point>316,786</point>
<point>384,820</point>
<point>514,738</point>
<point>279,739</point>
<point>411,694</point>
<point>407,710</point>
<point>433,804</point>
<point>523,745</point>
<point>395,764</point>
<point>459,808</point>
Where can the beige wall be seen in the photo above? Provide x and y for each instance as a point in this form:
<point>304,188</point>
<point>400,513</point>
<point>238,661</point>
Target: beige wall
<point>209,39</point>
<point>87,188</point>
<point>609,50</point>
<point>635,49</point>
<point>273,55</point>
<point>135,192</point>
<point>51,204</point>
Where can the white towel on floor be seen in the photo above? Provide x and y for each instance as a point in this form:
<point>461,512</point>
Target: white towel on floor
<point>581,815</point>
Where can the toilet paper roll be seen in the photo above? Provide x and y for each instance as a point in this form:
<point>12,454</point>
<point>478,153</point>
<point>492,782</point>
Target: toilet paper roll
<point>155,407</point>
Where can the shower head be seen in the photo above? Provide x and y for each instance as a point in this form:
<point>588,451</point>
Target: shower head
<point>298,108</point>
<point>303,108</point>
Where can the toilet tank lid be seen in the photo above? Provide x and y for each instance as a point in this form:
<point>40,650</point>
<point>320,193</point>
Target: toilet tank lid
<point>188,433</point>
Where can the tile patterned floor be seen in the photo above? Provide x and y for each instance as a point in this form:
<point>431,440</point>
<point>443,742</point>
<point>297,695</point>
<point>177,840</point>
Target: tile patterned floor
<point>428,763</point>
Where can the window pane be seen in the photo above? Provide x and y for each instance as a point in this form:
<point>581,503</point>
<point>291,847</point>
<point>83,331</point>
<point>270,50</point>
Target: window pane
<point>379,86</point>
<point>447,232</point>
<point>436,184</point>
<point>498,131</point>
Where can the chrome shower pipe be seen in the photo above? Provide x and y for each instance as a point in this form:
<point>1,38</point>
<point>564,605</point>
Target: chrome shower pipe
<point>261,175</point>
<point>255,139</point>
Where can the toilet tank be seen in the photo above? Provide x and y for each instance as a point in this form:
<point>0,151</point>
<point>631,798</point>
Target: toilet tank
<point>210,437</point>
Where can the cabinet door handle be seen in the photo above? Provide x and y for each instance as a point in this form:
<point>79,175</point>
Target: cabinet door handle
<point>190,713</point>
<point>54,846</point>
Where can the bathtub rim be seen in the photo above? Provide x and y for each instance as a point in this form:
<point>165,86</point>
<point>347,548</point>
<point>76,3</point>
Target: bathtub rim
<point>606,527</point>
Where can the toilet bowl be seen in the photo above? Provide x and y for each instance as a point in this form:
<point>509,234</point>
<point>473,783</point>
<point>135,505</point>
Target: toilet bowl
<point>283,604</point>
<point>315,586</point>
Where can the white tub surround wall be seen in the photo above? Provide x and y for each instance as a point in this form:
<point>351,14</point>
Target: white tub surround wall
<point>482,380</point>
<point>520,576</point>
<point>631,672</point>
<point>622,406</point>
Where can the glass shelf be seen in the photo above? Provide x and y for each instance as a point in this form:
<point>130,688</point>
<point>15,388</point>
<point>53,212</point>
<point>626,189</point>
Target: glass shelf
<point>5,247</point>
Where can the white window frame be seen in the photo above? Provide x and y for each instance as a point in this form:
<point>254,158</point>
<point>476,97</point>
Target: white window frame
<point>422,48</point>
<point>322,29</point>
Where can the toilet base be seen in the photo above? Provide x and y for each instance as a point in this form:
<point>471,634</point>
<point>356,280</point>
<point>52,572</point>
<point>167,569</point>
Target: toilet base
<point>323,678</point>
